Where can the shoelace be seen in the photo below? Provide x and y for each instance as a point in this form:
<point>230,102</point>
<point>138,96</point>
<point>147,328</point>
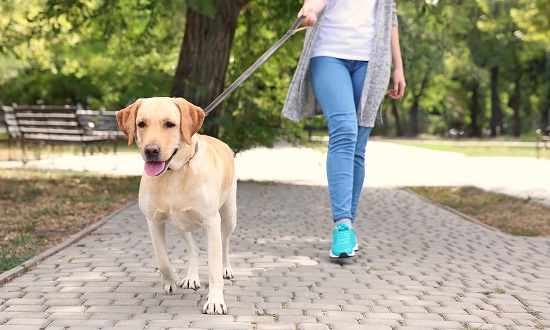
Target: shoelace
<point>343,236</point>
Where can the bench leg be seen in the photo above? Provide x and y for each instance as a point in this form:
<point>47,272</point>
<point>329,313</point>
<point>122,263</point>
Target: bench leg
<point>24,157</point>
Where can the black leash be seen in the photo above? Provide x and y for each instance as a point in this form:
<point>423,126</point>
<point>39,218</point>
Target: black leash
<point>254,66</point>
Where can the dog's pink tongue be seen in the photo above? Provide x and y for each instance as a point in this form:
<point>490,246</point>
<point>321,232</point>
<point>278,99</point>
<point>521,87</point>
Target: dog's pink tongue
<point>154,168</point>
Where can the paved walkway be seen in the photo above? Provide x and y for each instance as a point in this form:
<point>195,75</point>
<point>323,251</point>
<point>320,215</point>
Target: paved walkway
<point>419,267</point>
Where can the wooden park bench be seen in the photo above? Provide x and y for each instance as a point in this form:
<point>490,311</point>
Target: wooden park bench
<point>35,127</point>
<point>100,121</point>
<point>543,140</point>
<point>11,128</point>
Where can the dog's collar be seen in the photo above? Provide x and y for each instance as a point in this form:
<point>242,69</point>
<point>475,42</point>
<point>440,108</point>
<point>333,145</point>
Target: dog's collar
<point>193,156</point>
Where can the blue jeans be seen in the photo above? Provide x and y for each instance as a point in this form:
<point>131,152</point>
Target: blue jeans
<point>337,85</point>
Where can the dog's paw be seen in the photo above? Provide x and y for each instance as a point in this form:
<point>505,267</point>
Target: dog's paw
<point>170,281</point>
<point>170,287</point>
<point>190,283</point>
<point>215,307</point>
<point>228,273</point>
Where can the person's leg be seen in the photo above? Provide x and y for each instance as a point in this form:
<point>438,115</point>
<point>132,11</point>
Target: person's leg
<point>331,82</point>
<point>359,167</point>
<point>332,85</point>
<point>359,70</point>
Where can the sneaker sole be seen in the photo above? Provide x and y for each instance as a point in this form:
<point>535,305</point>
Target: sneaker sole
<point>342,255</point>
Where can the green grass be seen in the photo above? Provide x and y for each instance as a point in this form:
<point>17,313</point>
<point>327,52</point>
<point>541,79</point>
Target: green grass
<point>476,150</point>
<point>495,290</point>
<point>472,149</point>
<point>17,251</point>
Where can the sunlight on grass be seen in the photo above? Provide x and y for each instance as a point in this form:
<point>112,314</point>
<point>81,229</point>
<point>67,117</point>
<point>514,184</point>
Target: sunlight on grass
<point>15,151</point>
<point>474,150</point>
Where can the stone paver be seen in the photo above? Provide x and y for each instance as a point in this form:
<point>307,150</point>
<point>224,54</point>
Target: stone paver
<point>419,267</point>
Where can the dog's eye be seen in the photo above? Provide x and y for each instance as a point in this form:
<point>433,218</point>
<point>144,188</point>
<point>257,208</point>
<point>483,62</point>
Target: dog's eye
<point>169,125</point>
<point>141,124</point>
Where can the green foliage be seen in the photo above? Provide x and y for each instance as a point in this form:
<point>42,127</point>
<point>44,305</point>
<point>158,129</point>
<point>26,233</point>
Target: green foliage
<point>105,54</point>
<point>100,54</point>
<point>203,6</point>
<point>454,44</point>
<point>253,111</point>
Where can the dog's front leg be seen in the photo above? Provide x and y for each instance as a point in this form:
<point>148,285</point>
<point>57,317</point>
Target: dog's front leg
<point>168,274</point>
<point>215,303</point>
<point>191,281</point>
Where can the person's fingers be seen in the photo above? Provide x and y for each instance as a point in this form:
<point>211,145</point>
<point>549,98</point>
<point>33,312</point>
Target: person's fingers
<point>402,88</point>
<point>309,16</point>
<point>397,93</point>
<point>305,11</point>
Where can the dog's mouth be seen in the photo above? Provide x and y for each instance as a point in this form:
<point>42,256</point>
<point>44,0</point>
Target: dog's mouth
<point>153,168</point>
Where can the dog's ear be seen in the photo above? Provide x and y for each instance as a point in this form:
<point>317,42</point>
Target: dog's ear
<point>191,116</point>
<point>126,119</point>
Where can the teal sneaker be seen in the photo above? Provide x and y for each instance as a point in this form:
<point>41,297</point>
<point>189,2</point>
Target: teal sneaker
<point>344,242</point>
<point>354,240</point>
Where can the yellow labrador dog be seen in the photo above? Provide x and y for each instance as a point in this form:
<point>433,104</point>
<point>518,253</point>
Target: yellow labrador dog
<point>188,182</point>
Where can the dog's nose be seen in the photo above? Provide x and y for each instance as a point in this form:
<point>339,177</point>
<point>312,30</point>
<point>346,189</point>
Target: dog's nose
<point>152,151</point>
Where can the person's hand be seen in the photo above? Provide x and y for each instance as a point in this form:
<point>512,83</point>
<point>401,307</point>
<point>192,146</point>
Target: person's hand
<point>398,84</point>
<point>309,10</point>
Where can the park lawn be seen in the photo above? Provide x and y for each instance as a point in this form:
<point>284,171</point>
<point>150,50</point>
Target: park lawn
<point>450,146</point>
<point>474,150</point>
<point>508,214</point>
<point>40,209</point>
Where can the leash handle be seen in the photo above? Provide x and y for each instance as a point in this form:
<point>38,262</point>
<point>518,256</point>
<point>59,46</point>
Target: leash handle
<point>296,24</point>
<point>254,66</point>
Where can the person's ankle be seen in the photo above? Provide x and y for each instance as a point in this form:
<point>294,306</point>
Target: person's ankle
<point>346,221</point>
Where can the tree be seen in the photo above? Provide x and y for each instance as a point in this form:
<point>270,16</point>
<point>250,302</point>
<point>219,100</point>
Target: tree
<point>533,21</point>
<point>101,54</point>
<point>204,56</point>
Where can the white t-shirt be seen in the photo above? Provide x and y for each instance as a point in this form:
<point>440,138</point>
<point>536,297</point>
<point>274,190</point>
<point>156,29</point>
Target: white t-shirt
<point>347,30</point>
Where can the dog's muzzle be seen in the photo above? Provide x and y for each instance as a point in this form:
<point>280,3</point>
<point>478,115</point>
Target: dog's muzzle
<point>153,166</point>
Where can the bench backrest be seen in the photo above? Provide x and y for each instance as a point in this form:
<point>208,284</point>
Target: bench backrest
<point>42,119</point>
<point>100,120</point>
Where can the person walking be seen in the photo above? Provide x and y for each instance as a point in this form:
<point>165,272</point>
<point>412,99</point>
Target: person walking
<point>344,73</point>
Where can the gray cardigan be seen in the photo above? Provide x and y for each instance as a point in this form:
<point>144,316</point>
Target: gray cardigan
<point>301,102</point>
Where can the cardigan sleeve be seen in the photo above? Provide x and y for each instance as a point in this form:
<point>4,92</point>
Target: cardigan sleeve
<point>394,21</point>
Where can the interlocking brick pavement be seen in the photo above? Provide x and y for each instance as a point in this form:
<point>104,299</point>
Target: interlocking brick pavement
<point>419,267</point>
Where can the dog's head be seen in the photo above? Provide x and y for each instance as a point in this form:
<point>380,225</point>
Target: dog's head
<point>163,129</point>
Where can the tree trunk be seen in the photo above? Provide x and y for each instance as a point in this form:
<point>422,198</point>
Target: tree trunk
<point>545,110</point>
<point>496,111</point>
<point>414,117</point>
<point>515,103</point>
<point>398,130</point>
<point>415,106</point>
<point>204,57</point>
<point>474,112</point>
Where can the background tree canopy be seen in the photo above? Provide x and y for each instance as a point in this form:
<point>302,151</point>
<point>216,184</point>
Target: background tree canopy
<point>478,67</point>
